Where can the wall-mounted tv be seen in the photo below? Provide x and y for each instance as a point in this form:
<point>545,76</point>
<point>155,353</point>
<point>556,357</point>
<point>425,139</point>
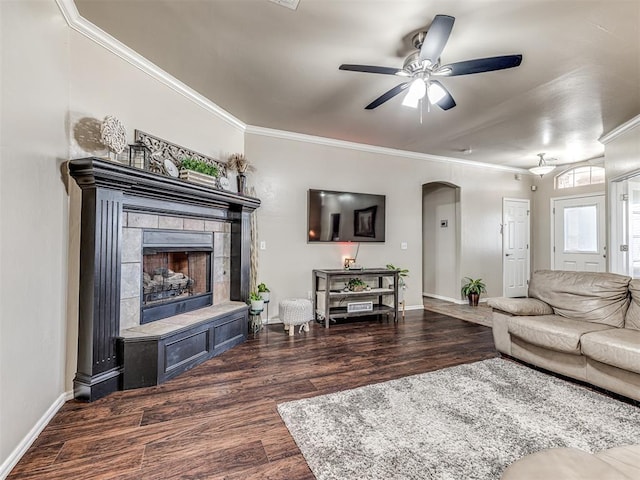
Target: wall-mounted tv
<point>345,217</point>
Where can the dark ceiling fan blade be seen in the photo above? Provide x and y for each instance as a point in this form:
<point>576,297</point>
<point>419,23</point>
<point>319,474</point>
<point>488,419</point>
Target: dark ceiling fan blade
<point>479,65</point>
<point>387,96</point>
<point>447,102</point>
<point>371,69</point>
<point>436,38</point>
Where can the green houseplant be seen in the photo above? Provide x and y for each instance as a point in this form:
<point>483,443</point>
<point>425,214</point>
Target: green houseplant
<point>402,274</point>
<point>264,291</point>
<point>256,301</point>
<point>200,166</point>
<point>356,284</point>
<point>472,290</point>
<point>199,171</point>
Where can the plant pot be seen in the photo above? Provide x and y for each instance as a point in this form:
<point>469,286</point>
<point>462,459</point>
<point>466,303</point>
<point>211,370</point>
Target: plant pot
<point>242,183</point>
<point>265,296</point>
<point>257,305</point>
<point>358,288</point>
<point>473,299</point>
<point>197,177</point>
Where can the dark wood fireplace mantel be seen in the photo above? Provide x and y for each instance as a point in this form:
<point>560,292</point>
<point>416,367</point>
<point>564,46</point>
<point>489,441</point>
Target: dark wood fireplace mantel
<point>109,190</point>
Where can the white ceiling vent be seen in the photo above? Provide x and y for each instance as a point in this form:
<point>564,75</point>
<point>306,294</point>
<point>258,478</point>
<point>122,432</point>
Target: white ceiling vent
<point>292,4</point>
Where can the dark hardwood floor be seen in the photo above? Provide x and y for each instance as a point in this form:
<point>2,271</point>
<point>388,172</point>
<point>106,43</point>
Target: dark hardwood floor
<point>219,420</point>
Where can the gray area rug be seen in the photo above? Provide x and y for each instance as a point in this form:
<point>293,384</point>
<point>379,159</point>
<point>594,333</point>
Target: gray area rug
<point>464,422</point>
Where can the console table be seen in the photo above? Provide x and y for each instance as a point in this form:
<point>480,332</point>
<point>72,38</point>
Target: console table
<point>331,300</point>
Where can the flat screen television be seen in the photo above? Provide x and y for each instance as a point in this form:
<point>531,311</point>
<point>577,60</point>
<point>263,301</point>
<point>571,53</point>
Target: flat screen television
<point>345,217</point>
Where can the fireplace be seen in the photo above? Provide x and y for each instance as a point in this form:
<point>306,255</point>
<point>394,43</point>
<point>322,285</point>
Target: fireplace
<point>194,238</point>
<point>176,273</point>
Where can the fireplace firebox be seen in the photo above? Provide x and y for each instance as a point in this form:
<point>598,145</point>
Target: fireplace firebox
<point>176,273</point>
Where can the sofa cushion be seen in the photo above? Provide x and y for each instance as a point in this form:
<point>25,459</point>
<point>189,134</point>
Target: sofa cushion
<point>552,331</point>
<point>583,296</point>
<point>618,347</point>
<point>632,320</point>
<point>520,306</point>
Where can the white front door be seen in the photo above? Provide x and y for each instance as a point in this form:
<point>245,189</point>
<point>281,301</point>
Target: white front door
<point>579,234</point>
<point>515,247</point>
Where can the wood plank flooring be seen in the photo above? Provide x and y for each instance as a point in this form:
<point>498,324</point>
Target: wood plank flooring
<point>219,420</point>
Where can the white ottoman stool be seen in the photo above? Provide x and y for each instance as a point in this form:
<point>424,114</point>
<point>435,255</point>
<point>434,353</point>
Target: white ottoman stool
<point>295,311</point>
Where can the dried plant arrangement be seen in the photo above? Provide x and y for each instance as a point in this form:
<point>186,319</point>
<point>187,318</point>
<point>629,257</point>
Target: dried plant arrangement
<point>239,163</point>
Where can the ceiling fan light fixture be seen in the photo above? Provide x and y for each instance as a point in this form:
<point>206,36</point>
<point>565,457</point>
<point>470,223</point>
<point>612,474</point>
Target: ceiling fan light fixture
<point>436,93</point>
<point>417,91</point>
<point>543,168</point>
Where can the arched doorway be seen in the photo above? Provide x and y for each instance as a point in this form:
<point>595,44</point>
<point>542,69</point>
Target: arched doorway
<point>441,241</point>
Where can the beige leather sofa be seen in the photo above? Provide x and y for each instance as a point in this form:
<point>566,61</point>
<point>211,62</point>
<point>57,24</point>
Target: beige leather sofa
<point>579,324</point>
<point>619,463</point>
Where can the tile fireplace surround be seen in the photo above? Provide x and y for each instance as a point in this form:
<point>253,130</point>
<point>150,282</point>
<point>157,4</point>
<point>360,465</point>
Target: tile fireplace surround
<point>119,204</point>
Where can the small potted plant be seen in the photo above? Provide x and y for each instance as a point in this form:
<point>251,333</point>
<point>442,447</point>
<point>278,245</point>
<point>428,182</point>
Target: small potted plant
<point>199,171</point>
<point>264,292</point>
<point>256,301</point>
<point>402,274</point>
<point>356,285</point>
<point>472,290</point>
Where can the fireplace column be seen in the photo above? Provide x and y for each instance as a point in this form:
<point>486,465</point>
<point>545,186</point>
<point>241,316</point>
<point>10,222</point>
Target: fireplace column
<point>100,244</point>
<point>241,254</point>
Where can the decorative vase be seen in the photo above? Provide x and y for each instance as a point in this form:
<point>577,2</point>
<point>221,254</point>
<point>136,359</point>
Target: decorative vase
<point>242,182</point>
<point>473,299</point>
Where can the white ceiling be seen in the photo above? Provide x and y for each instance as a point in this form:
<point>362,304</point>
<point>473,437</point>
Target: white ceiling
<point>277,68</point>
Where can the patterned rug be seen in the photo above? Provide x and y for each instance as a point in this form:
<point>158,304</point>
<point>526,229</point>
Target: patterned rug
<point>464,422</point>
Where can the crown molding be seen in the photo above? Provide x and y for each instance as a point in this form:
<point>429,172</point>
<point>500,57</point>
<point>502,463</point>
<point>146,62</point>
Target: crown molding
<point>102,38</point>
<point>620,130</point>
<point>362,147</point>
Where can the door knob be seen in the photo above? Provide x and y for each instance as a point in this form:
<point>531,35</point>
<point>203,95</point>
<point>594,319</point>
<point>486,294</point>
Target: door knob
<point>508,254</point>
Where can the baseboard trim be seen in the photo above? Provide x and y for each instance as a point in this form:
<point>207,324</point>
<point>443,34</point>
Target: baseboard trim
<point>414,307</point>
<point>17,453</point>
<point>446,299</point>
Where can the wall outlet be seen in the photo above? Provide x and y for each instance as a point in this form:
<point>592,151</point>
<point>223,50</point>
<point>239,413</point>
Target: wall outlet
<point>403,246</point>
<point>263,245</point>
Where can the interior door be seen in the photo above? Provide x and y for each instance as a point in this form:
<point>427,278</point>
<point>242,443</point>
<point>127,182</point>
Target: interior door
<point>515,247</point>
<point>579,234</point>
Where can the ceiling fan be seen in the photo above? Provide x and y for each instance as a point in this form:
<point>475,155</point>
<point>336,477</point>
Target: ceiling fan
<point>424,64</point>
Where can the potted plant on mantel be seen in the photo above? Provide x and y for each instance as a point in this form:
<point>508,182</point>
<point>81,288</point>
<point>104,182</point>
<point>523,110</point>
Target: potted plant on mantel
<point>198,171</point>
<point>472,290</point>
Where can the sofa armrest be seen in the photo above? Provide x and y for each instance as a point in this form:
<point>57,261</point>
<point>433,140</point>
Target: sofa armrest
<point>520,306</point>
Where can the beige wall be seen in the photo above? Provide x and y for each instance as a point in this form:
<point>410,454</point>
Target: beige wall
<point>286,169</point>
<point>33,212</point>
<point>622,154</point>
